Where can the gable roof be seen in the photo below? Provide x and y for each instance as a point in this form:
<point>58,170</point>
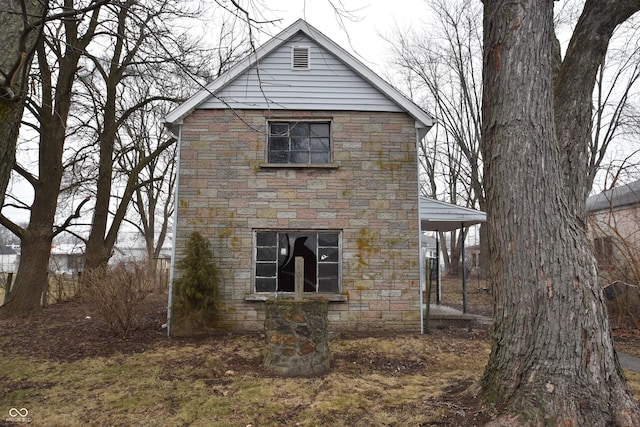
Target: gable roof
<point>176,116</point>
<point>441,216</point>
<point>617,197</point>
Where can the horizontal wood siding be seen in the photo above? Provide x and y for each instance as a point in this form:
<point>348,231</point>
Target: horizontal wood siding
<point>328,85</point>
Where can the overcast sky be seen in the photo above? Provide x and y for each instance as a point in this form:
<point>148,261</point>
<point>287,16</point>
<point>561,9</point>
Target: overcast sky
<point>369,19</point>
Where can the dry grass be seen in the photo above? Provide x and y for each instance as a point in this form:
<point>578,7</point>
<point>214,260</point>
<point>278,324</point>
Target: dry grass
<point>67,372</point>
<point>219,382</point>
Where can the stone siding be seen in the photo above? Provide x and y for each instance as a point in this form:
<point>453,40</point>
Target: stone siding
<point>226,192</point>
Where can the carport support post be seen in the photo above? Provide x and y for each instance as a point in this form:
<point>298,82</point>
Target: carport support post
<point>464,275</point>
<point>438,284</point>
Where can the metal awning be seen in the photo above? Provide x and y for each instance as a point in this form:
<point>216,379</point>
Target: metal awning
<point>441,216</point>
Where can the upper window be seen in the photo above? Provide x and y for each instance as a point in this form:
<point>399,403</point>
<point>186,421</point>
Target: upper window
<point>275,254</point>
<point>299,142</point>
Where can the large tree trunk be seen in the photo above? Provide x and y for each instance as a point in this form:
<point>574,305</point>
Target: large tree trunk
<point>35,241</point>
<point>10,116</point>
<point>552,360</point>
<point>56,99</point>
<point>31,278</point>
<point>484,252</point>
<point>18,37</point>
<point>102,238</point>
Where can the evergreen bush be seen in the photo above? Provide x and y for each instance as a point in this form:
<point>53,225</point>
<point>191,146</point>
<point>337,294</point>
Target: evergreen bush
<point>196,294</point>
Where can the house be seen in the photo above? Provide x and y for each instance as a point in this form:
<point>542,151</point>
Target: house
<point>430,246</point>
<point>614,224</point>
<point>300,150</point>
<point>9,258</point>
<point>66,258</point>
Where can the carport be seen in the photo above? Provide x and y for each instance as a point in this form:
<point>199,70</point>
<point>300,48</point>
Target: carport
<point>441,217</point>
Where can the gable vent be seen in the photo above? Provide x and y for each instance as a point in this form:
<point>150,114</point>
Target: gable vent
<point>300,58</point>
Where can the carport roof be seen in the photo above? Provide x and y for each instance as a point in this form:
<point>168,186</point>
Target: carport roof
<point>441,216</point>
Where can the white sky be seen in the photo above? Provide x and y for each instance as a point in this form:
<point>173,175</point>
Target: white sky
<point>361,35</point>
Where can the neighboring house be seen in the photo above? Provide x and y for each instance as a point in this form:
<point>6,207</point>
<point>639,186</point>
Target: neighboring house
<point>430,246</point>
<point>9,259</point>
<point>137,252</point>
<point>66,258</point>
<point>301,151</point>
<point>614,224</point>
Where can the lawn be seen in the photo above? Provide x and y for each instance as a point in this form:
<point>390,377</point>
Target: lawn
<point>61,367</point>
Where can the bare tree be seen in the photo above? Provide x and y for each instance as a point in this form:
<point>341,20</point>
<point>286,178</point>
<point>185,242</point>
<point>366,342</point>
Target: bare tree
<point>552,359</point>
<point>442,70</point>
<point>153,200</point>
<point>57,61</point>
<point>20,26</point>
<point>144,47</point>
<point>92,52</point>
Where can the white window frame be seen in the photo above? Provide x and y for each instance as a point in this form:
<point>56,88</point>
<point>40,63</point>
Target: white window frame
<point>289,122</point>
<point>255,277</point>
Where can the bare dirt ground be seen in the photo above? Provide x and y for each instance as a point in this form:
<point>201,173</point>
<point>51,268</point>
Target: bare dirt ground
<point>67,332</point>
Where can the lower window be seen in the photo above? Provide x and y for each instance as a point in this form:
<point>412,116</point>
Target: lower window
<point>275,254</point>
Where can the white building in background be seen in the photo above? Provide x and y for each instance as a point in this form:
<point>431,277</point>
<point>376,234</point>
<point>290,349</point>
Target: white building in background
<point>430,246</point>
<point>9,256</point>
<point>66,258</point>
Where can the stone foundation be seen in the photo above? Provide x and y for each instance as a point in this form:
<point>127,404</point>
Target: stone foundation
<point>297,337</point>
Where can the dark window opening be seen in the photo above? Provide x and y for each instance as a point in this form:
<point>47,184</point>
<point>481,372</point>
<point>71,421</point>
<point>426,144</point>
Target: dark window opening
<point>299,142</point>
<point>275,255</point>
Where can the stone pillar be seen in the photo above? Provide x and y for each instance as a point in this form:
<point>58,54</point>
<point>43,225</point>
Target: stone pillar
<point>297,337</point>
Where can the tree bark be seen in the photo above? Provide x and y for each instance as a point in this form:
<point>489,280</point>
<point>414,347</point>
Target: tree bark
<point>18,37</point>
<point>35,249</point>
<point>552,360</point>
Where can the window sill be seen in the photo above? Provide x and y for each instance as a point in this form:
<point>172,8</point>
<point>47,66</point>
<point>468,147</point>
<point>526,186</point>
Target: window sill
<point>299,165</point>
<point>263,296</point>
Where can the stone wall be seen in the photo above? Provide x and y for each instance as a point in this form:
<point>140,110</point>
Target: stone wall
<point>297,337</point>
<point>369,194</point>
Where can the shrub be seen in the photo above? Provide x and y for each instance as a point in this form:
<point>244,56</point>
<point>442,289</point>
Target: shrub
<point>116,294</point>
<point>196,294</point>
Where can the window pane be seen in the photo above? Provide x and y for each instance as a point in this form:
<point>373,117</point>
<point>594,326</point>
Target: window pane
<point>312,139</point>
<point>279,129</point>
<point>328,239</point>
<point>320,144</point>
<point>317,158</point>
<point>266,254</point>
<point>266,270</point>
<point>299,157</point>
<point>328,285</point>
<point>327,254</point>
<point>266,238</point>
<point>328,271</point>
<point>299,129</point>
<point>278,143</point>
<point>265,285</point>
<point>319,129</point>
<point>299,144</point>
<point>276,253</point>
<point>286,283</point>
<point>278,157</point>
